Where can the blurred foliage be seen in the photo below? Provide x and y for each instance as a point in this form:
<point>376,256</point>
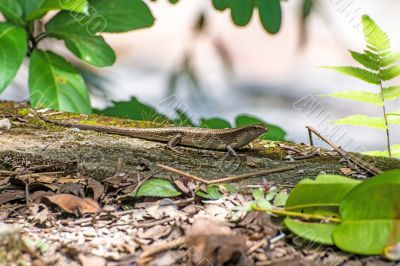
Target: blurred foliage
<point>134,109</point>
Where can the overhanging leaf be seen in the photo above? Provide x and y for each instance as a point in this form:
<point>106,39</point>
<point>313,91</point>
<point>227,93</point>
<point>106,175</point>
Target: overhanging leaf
<point>374,35</point>
<point>359,73</point>
<point>220,4</point>
<point>313,232</point>
<point>122,15</point>
<point>241,11</point>
<point>13,49</point>
<point>270,14</point>
<point>274,132</point>
<point>359,96</point>
<point>394,148</point>
<point>362,120</point>
<point>12,11</point>
<point>157,188</point>
<point>215,123</point>
<point>370,216</point>
<point>55,84</point>
<point>79,6</point>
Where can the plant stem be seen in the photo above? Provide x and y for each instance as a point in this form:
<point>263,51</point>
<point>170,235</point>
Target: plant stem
<point>385,115</point>
<point>299,215</point>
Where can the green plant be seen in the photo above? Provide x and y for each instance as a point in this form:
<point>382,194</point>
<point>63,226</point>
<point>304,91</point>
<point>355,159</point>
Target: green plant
<point>378,62</point>
<point>53,81</point>
<point>357,217</point>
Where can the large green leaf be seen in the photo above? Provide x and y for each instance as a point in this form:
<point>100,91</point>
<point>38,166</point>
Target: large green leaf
<point>12,11</point>
<point>270,14</point>
<point>30,6</point>
<point>54,83</point>
<point>362,120</point>
<point>157,188</point>
<point>90,48</point>
<point>366,60</point>
<point>122,15</point>
<point>324,191</point>
<point>359,73</point>
<point>370,216</point>
<point>375,36</point>
<point>360,96</point>
<point>38,11</point>
<point>390,72</point>
<point>391,93</point>
<point>241,11</point>
<point>274,132</point>
<point>314,232</point>
<point>13,49</point>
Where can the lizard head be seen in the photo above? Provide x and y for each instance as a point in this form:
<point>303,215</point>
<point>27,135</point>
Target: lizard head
<point>250,133</point>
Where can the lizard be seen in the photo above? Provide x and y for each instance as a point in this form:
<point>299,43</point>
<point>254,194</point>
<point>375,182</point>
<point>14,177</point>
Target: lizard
<point>228,139</point>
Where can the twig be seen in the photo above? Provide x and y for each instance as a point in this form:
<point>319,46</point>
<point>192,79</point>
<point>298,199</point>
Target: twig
<point>153,250</point>
<point>226,179</point>
<point>358,161</point>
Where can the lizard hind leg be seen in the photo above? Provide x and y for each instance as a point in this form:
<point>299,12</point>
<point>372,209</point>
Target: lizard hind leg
<point>231,151</point>
<point>174,141</point>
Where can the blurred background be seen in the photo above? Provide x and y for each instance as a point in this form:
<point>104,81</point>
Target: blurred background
<point>213,68</point>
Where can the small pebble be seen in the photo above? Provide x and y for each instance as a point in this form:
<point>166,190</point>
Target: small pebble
<point>5,124</point>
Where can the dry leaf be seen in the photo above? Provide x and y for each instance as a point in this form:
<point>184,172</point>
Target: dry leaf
<point>211,243</point>
<point>346,171</point>
<point>74,204</point>
<point>11,195</point>
<point>95,187</point>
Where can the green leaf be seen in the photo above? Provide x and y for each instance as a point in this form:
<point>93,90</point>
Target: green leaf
<point>214,123</point>
<point>374,36</point>
<point>365,60</point>
<point>280,199</point>
<point>274,132</point>
<point>389,59</point>
<point>395,152</point>
<point>157,188</point>
<point>258,194</point>
<point>122,15</point>
<point>30,6</point>
<point>359,96</point>
<point>370,216</point>
<point>55,84</point>
<point>220,4</point>
<point>393,120</point>
<point>12,11</point>
<point>135,110</point>
<point>183,119</point>
<point>390,73</point>
<point>241,11</point>
<point>270,14</point>
<point>362,120</point>
<point>212,193</point>
<point>261,203</point>
<point>324,191</point>
<point>79,6</point>
<point>313,232</point>
<point>307,7</point>
<point>90,48</point>
<point>391,93</point>
<point>359,73</point>
<point>13,48</point>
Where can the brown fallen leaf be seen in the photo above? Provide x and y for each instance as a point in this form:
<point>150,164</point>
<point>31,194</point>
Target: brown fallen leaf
<point>346,171</point>
<point>211,243</point>
<point>95,187</point>
<point>74,204</point>
<point>11,195</point>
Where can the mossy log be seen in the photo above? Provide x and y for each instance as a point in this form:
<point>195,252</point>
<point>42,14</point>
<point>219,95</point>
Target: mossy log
<point>32,142</point>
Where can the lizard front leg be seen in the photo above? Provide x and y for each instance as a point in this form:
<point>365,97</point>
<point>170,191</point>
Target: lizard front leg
<point>230,150</point>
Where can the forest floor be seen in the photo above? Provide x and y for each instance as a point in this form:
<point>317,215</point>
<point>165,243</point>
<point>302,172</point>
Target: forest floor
<point>76,198</point>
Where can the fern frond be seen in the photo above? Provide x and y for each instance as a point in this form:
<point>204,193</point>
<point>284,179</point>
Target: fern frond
<point>363,120</point>
<point>389,59</point>
<point>359,73</point>
<point>365,60</point>
<point>359,96</point>
<point>395,152</point>
<point>393,119</point>
<point>376,38</point>
<point>391,93</point>
<point>390,73</point>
